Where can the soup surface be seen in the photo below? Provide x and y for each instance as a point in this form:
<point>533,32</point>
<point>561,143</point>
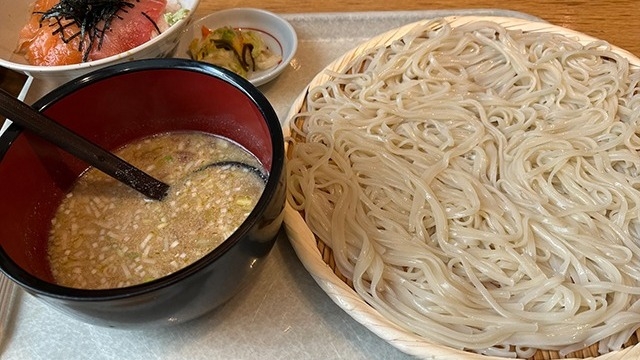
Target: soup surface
<point>106,235</point>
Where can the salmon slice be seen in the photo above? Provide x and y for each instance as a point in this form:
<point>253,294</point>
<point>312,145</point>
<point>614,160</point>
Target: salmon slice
<point>132,27</point>
<point>40,46</point>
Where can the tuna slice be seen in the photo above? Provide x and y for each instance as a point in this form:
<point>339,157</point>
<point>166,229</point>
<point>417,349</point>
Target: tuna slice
<point>132,27</point>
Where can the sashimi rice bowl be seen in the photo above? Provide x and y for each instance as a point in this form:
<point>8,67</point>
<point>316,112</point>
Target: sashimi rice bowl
<point>51,40</point>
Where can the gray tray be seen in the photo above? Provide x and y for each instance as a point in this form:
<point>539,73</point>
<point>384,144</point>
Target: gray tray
<point>284,314</point>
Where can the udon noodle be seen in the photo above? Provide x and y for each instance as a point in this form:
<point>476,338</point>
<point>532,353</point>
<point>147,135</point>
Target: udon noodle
<point>481,186</point>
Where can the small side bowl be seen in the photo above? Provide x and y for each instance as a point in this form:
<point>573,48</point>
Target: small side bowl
<point>15,14</point>
<point>276,32</point>
<point>114,106</point>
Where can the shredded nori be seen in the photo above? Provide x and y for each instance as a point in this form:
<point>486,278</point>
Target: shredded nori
<point>93,18</point>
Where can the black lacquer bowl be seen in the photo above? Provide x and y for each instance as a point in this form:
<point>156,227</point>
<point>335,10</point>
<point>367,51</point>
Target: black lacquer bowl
<point>112,107</point>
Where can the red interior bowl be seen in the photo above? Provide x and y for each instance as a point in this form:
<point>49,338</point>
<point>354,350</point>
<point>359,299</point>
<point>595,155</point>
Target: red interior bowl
<point>112,107</point>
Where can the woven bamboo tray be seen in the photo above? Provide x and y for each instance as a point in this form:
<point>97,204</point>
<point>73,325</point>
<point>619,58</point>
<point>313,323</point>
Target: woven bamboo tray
<point>318,259</point>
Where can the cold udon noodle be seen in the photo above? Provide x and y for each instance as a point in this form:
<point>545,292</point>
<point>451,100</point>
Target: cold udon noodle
<point>480,186</point>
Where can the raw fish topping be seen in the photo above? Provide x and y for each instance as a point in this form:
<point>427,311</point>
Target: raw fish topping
<point>62,32</point>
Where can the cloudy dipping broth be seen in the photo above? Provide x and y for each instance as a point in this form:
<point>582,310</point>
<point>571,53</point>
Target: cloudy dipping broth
<point>107,235</point>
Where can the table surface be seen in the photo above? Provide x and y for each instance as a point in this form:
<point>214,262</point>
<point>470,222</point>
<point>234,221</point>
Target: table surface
<point>310,325</point>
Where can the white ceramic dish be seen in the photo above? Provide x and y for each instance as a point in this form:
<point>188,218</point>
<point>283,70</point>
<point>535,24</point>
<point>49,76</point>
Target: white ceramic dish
<point>305,243</point>
<point>15,14</point>
<point>276,32</point>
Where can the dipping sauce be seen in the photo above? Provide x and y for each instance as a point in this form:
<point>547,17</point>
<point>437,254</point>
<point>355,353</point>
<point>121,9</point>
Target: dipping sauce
<point>107,235</point>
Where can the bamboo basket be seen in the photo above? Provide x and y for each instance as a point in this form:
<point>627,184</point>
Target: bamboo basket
<point>318,258</point>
